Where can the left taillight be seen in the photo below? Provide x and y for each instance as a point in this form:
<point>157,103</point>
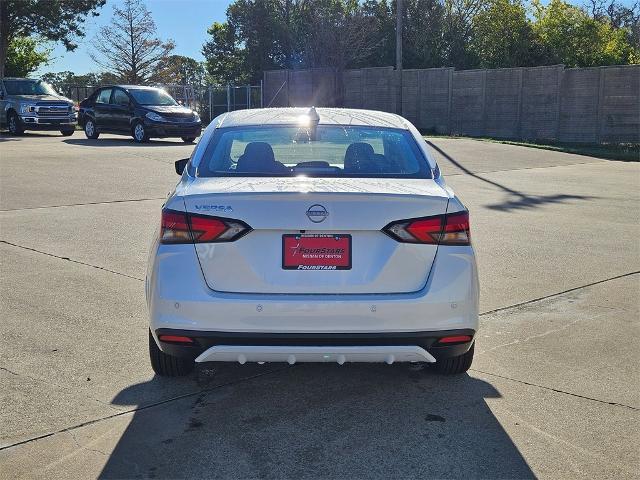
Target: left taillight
<point>182,227</point>
<point>448,229</point>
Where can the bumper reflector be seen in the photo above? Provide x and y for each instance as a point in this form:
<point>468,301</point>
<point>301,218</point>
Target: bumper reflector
<point>456,339</point>
<point>175,339</point>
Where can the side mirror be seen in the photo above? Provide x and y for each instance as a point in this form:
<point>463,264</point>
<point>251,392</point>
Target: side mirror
<point>180,165</point>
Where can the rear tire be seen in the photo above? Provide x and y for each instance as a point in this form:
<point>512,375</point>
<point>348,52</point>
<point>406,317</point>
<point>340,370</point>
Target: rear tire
<point>90,129</point>
<point>456,365</point>
<point>188,139</point>
<point>168,365</point>
<point>67,133</point>
<point>14,125</point>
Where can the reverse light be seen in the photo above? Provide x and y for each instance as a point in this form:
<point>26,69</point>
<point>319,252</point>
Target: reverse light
<point>448,229</point>
<point>183,227</point>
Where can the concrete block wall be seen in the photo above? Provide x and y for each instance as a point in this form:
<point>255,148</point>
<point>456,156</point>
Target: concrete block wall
<point>550,103</point>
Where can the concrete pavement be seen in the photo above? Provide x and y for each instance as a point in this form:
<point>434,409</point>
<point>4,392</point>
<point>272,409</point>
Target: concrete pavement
<point>553,390</point>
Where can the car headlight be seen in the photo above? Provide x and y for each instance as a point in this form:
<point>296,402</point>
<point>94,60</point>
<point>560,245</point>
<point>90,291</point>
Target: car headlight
<point>155,117</point>
<point>27,107</point>
<point>196,117</point>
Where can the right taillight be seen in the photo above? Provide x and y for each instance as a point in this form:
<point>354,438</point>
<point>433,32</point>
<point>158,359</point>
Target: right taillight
<point>183,227</point>
<point>448,229</point>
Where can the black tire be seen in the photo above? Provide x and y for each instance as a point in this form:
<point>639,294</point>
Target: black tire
<point>456,365</point>
<point>68,132</point>
<point>90,129</point>
<point>188,139</point>
<point>168,365</point>
<point>139,133</point>
<point>13,124</point>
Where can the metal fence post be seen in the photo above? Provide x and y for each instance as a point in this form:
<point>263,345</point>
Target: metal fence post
<point>248,96</point>
<point>261,94</point>
<point>228,98</point>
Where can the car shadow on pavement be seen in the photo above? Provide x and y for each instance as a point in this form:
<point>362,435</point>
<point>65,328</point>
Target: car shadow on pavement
<point>124,142</point>
<point>319,421</point>
<point>518,200</point>
<point>6,136</point>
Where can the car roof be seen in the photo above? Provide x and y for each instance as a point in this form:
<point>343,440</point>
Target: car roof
<point>327,116</point>
<point>131,87</point>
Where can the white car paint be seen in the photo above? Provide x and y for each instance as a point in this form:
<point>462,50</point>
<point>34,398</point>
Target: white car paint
<point>240,286</point>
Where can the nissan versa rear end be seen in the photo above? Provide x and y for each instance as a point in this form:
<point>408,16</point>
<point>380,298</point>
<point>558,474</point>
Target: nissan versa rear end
<point>311,235</point>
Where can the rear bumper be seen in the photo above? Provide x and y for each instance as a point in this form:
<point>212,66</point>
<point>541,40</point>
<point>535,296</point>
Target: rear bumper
<point>293,348</point>
<point>371,327</point>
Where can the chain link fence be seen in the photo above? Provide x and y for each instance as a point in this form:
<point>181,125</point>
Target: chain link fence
<point>208,100</point>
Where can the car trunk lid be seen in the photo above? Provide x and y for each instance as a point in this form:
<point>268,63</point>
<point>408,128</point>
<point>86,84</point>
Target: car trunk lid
<point>323,209</point>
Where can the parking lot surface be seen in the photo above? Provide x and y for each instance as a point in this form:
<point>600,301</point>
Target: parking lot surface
<point>553,391</point>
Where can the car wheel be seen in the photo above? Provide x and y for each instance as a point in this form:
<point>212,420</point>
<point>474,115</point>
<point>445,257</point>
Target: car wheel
<point>13,123</point>
<point>68,132</point>
<point>456,365</point>
<point>188,139</point>
<point>90,129</point>
<point>140,133</point>
<point>168,365</point>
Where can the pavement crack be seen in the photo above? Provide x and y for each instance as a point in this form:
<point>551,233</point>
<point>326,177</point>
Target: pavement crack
<point>59,257</point>
<point>524,168</point>
<point>9,371</point>
<point>556,390</point>
<point>140,408</point>
<point>531,337</point>
<point>82,204</point>
<point>557,294</point>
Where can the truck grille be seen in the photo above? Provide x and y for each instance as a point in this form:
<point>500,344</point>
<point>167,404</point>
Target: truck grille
<point>50,110</point>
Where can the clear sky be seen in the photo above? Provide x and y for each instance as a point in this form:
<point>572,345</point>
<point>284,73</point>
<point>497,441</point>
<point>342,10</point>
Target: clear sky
<point>184,21</point>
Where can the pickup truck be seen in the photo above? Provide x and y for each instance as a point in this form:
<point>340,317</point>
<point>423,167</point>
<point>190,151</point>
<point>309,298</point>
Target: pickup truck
<point>31,104</point>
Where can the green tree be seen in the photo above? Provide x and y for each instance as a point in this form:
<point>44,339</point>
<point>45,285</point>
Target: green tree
<point>503,36</point>
<point>67,78</point>
<point>56,21</point>
<point>575,39</point>
<point>24,56</point>
<point>339,34</point>
<point>224,56</point>
<point>128,46</point>
<point>178,69</point>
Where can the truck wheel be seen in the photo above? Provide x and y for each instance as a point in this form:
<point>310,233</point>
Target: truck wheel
<point>456,365</point>
<point>188,139</point>
<point>68,132</point>
<point>168,365</point>
<point>90,129</point>
<point>13,122</point>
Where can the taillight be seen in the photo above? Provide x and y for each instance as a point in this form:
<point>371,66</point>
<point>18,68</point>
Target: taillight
<point>448,229</point>
<point>182,227</point>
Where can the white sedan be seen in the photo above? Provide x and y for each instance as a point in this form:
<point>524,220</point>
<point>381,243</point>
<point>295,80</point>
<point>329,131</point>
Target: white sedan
<point>312,235</point>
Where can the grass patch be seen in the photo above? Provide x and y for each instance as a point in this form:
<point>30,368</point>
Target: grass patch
<point>627,152</point>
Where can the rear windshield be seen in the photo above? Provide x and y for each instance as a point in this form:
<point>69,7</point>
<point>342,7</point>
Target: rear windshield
<point>152,97</point>
<point>28,87</point>
<point>320,151</point>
